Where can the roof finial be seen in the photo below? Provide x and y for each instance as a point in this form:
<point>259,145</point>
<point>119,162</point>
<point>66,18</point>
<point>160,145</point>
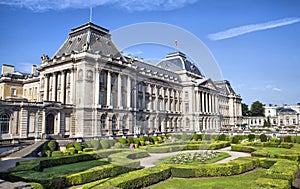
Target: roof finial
<point>91,13</point>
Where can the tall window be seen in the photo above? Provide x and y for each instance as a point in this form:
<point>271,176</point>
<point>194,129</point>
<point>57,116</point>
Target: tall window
<point>114,122</point>
<point>103,120</point>
<point>102,88</point>
<point>13,92</point>
<point>4,123</point>
<point>124,123</point>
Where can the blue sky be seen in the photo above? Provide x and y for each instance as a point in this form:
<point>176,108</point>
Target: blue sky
<point>256,43</point>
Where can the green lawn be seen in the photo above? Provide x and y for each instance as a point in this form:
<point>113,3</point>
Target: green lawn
<point>63,170</point>
<point>220,156</point>
<point>244,181</point>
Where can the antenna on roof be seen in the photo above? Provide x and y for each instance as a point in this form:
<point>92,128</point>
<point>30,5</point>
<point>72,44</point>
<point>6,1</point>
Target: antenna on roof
<point>91,13</point>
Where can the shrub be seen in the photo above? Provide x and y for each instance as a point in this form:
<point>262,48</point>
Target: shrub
<point>104,144</point>
<point>57,154</point>
<point>287,138</point>
<point>95,144</point>
<point>52,144</point>
<point>263,138</point>
<point>186,137</point>
<point>272,183</point>
<point>48,153</point>
<point>72,151</point>
<point>119,145</point>
<point>88,149</point>
<point>36,185</point>
<point>222,137</point>
<point>140,178</point>
<point>123,141</point>
<point>154,138</point>
<point>77,146</point>
<point>251,137</point>
<point>111,142</point>
<point>96,173</point>
<point>69,145</point>
<point>195,137</point>
<point>235,139</point>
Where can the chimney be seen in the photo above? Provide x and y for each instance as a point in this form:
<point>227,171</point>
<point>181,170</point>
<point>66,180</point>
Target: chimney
<point>7,69</point>
<point>33,69</point>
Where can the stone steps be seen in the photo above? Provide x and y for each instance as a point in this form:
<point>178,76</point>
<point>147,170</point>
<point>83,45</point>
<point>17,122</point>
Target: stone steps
<point>27,151</point>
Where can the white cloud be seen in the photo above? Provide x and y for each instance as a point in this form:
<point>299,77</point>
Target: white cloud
<point>267,88</point>
<point>233,32</point>
<point>129,5</point>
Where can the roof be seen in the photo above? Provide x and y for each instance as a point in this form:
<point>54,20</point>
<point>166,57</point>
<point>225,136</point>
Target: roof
<point>287,111</point>
<point>225,87</point>
<point>89,37</point>
<point>177,61</point>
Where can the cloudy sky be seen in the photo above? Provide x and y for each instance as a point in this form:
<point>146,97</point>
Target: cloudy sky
<point>255,43</point>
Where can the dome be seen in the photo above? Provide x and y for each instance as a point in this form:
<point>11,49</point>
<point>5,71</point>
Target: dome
<point>177,61</point>
<point>287,111</point>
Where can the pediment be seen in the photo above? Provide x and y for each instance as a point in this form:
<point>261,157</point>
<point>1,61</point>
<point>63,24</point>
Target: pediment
<point>207,83</point>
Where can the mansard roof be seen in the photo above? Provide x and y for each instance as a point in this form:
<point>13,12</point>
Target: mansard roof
<point>177,61</point>
<point>225,87</point>
<point>91,38</point>
<point>287,111</point>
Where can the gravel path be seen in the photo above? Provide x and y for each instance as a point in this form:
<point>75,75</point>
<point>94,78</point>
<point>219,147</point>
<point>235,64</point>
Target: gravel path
<point>155,157</point>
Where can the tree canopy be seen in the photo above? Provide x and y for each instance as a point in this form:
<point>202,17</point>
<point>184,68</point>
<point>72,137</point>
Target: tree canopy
<point>257,109</point>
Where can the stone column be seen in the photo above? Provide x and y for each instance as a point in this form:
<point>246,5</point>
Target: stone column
<point>108,87</point>
<point>46,87</point>
<point>97,83</point>
<point>144,97</point>
<point>62,87</point>
<point>54,88</point>
<point>128,91</point>
<point>150,97</point>
<point>119,104</point>
<point>71,81</point>
<point>202,101</point>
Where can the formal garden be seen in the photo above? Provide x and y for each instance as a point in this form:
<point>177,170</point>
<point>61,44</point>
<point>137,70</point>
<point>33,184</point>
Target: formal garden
<point>193,163</point>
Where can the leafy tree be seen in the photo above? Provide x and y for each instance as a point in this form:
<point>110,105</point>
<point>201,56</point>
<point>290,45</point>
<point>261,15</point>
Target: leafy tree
<point>245,110</point>
<point>251,137</point>
<point>257,109</point>
<point>267,122</point>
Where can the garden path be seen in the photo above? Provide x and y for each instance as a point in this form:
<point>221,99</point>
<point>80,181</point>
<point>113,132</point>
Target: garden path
<point>155,157</point>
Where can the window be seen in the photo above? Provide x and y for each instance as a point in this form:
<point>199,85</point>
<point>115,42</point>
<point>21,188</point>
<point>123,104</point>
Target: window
<point>294,121</point>
<point>103,120</point>
<point>25,91</point>
<point>114,122</point>
<point>30,91</point>
<point>186,94</point>
<point>4,123</point>
<point>35,90</point>
<point>124,123</point>
<point>13,92</point>
<point>187,108</point>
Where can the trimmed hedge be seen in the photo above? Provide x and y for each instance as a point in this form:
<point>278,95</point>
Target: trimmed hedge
<point>234,167</point>
<point>283,169</point>
<point>96,173</point>
<point>140,178</point>
<point>197,145</point>
<point>127,158</point>
<point>272,183</point>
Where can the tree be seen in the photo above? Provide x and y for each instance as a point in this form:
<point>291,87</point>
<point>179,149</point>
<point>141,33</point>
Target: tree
<point>245,110</point>
<point>257,109</point>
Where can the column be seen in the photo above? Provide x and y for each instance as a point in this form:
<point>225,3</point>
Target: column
<point>62,87</point>
<point>206,102</point>
<point>119,91</point>
<point>150,97</point>
<point>128,91</point>
<point>144,97</point>
<point>72,88</point>
<point>108,87</point>
<point>97,83</point>
<point>54,88</point>
<point>202,102</point>
<point>46,87</point>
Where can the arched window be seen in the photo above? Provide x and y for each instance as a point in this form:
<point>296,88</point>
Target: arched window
<point>4,123</point>
<point>114,122</point>
<point>124,123</point>
<point>103,120</point>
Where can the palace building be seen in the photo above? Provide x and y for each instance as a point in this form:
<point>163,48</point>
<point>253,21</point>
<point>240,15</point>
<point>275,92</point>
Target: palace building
<point>88,88</point>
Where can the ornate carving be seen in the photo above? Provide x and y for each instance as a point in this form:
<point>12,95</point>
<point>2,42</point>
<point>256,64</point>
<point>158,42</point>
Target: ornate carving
<point>44,57</point>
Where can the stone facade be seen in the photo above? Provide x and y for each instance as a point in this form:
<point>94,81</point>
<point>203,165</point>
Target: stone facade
<point>90,89</point>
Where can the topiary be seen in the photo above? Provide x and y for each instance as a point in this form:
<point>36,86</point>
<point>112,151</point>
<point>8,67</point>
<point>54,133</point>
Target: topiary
<point>235,139</point>
<point>77,146</point>
<point>119,145</point>
<point>104,144</point>
<point>222,137</point>
<point>195,136</point>
<point>251,137</point>
<point>52,145</point>
<point>263,138</point>
<point>95,144</point>
<point>287,138</point>
<point>123,141</point>
<point>69,145</point>
<point>154,138</point>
